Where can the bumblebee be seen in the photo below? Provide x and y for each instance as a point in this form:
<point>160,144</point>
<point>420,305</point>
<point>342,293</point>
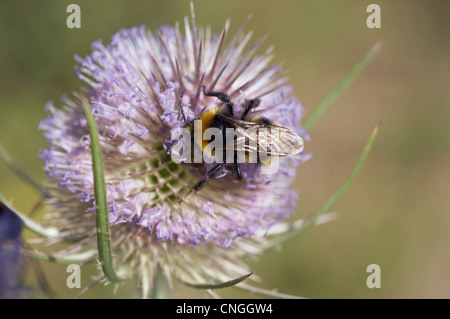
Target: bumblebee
<point>248,139</point>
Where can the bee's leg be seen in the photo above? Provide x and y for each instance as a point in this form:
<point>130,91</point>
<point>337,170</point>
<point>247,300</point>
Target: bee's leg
<point>213,172</point>
<point>169,148</point>
<point>237,171</point>
<point>181,107</point>
<point>221,96</point>
<point>249,105</point>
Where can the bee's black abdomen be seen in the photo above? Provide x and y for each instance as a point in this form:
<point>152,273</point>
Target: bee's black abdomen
<point>264,121</point>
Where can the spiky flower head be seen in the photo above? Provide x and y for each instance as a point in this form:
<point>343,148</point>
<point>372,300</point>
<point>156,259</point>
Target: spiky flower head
<point>133,88</point>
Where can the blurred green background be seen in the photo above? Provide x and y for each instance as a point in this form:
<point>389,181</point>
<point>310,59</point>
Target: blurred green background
<point>397,212</point>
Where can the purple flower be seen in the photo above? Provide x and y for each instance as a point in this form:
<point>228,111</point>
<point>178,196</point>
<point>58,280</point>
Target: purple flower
<point>11,261</point>
<point>134,86</point>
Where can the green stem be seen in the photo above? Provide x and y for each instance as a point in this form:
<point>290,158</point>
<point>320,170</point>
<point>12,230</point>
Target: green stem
<point>331,97</point>
<point>103,231</point>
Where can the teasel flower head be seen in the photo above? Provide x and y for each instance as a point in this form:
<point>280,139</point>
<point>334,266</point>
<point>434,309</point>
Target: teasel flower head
<point>133,87</point>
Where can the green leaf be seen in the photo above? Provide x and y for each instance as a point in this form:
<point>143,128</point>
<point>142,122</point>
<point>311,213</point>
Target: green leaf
<point>220,285</point>
<point>284,228</point>
<point>335,197</point>
<point>67,259</point>
<point>103,231</point>
<point>326,103</point>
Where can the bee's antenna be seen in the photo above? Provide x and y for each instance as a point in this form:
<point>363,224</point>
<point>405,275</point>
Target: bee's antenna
<point>181,107</point>
<point>167,152</point>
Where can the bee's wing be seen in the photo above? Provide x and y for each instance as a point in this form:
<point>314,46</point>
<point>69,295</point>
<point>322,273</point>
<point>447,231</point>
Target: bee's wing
<point>283,141</point>
<point>274,139</point>
<point>246,141</point>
